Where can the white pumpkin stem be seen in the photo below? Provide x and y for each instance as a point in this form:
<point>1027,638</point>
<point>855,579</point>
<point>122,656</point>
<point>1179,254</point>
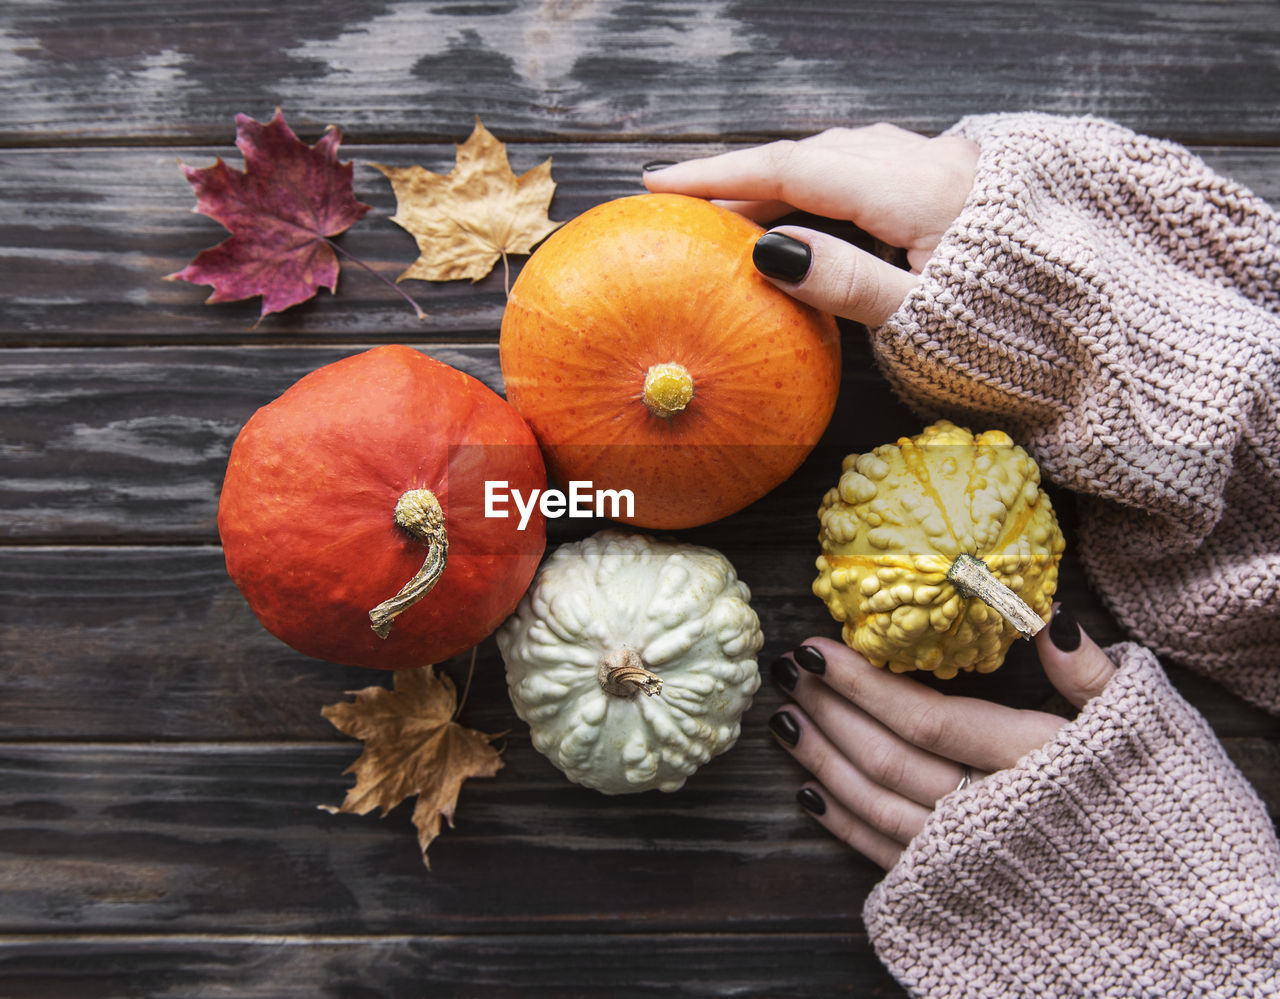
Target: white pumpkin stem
<point>668,388</point>
<point>622,673</point>
<point>971,578</point>
<point>418,512</point>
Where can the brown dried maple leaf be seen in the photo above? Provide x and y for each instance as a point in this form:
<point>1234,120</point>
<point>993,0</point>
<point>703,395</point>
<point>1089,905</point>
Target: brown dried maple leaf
<point>480,211</point>
<point>412,746</point>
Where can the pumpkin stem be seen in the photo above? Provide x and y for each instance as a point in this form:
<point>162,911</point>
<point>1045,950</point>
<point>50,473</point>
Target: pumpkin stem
<point>418,512</point>
<point>668,388</point>
<point>971,578</point>
<point>622,673</point>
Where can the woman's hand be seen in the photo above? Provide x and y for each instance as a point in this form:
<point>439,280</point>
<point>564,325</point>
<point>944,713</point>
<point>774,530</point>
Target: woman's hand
<point>883,748</point>
<point>900,187</point>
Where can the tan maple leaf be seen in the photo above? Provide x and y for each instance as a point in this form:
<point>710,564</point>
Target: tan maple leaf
<point>412,746</point>
<point>466,220</point>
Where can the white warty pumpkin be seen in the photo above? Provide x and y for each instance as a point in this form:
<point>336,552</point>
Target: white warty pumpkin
<point>632,660</point>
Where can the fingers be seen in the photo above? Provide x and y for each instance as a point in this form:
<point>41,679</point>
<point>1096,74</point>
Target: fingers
<point>884,757</point>
<point>832,275</point>
<point>896,185</point>
<point>854,174</point>
<point>854,806</point>
<point>900,187</point>
<point>808,178</point>
<point>847,827</point>
<point>883,748</point>
<point>889,814</point>
<point>1076,667</point>
<point>760,212</point>
<point>969,730</point>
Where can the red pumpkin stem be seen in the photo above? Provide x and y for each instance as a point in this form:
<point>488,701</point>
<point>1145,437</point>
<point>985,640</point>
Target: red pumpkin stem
<point>971,578</point>
<point>418,512</point>
<point>622,674</point>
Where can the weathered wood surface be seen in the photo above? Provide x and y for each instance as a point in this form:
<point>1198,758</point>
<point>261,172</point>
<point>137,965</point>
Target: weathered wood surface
<point>206,838</point>
<point>156,643</point>
<point>162,757</point>
<point>130,444</point>
<point>87,235</point>
<point>224,838</point>
<point>120,71</point>
<point>542,966</point>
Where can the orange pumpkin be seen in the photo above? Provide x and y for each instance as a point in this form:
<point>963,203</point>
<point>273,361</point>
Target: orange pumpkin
<point>648,354</point>
<point>353,512</point>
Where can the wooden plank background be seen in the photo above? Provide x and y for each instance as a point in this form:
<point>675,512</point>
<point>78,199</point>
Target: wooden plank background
<point>162,757</point>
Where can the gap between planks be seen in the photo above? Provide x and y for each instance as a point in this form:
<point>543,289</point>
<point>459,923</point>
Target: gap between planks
<point>309,939</point>
<point>167,746</point>
<point>109,143</point>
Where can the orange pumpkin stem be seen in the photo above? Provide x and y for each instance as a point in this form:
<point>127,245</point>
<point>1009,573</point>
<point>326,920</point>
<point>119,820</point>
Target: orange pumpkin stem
<point>668,388</point>
<point>971,578</point>
<point>622,674</point>
<point>418,512</point>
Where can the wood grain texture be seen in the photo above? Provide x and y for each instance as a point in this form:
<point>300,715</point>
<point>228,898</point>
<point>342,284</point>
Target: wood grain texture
<point>229,838</point>
<point>130,445</point>
<point>87,236</point>
<point>204,838</point>
<point>154,643</point>
<point>91,234</point>
<point>117,71</point>
<point>133,443</point>
<point>547,965</point>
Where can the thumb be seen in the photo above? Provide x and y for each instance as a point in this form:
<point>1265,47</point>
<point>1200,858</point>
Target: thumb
<point>831,275</point>
<point>1076,667</point>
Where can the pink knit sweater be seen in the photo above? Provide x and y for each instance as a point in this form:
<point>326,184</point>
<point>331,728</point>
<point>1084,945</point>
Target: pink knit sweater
<point>1114,305</point>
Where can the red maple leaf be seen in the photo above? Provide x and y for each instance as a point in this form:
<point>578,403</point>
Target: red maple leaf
<point>281,211</point>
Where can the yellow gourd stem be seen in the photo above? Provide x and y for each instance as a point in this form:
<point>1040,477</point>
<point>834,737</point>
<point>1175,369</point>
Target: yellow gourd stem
<point>971,578</point>
<point>418,512</point>
<point>668,388</point>
<point>622,673</point>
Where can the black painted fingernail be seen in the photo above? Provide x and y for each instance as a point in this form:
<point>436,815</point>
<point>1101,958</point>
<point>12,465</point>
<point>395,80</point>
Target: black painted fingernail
<point>654,165</point>
<point>1064,631</point>
<point>780,256</point>
<point>784,673</point>
<point>811,801</point>
<point>809,658</point>
<point>784,727</point>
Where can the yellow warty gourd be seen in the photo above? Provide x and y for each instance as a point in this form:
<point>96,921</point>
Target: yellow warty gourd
<point>895,535</point>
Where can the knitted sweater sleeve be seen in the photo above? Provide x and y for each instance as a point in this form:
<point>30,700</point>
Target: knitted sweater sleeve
<point>1114,305</point>
<point>1128,858</point>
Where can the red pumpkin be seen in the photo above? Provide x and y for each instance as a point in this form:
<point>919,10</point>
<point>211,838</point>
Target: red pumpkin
<point>648,354</point>
<point>309,508</point>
